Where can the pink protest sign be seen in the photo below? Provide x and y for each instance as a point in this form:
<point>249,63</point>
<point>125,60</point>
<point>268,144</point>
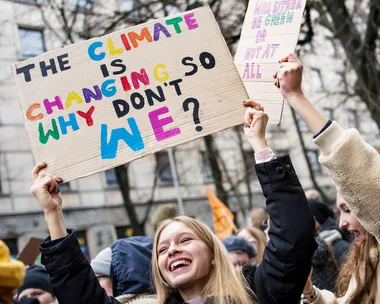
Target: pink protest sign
<point>270,32</point>
<point>103,102</point>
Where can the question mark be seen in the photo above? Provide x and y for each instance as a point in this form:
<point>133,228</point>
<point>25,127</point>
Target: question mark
<point>195,111</point>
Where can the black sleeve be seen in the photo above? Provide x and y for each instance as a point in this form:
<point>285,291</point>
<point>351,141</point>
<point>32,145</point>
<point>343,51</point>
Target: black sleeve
<point>71,275</point>
<point>328,124</point>
<point>283,272</point>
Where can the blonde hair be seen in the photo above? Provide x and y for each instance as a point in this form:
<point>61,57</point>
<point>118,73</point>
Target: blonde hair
<point>222,283</point>
<point>261,240</point>
<point>257,216</point>
<point>361,265</point>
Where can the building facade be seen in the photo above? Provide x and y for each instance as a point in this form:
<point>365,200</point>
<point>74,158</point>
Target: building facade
<point>93,205</point>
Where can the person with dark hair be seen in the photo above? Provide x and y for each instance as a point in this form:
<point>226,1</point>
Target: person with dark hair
<point>36,285</point>
<point>240,250</point>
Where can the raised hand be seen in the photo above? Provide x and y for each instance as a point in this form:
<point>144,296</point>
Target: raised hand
<point>255,125</point>
<point>289,77</point>
<point>46,189</point>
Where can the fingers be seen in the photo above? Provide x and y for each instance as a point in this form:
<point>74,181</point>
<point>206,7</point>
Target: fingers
<point>289,58</point>
<point>45,183</point>
<point>253,104</point>
<point>37,168</point>
<point>249,113</point>
<point>292,58</point>
<point>38,175</point>
<point>252,115</point>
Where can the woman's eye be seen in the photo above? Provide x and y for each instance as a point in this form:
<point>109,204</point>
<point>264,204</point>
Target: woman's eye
<point>186,240</point>
<point>162,250</point>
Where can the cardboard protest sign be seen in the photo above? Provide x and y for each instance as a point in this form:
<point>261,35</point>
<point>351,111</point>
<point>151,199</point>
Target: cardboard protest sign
<point>103,102</point>
<point>270,32</point>
<point>30,252</point>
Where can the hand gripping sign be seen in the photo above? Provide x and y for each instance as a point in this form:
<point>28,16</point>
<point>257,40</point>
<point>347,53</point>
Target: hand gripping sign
<point>103,102</point>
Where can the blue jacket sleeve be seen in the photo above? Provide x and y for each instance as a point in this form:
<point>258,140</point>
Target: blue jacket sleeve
<point>71,275</point>
<point>283,272</point>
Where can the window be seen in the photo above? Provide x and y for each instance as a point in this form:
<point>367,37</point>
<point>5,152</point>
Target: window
<point>206,167</point>
<point>312,156</point>
<point>13,246</point>
<point>316,77</point>
<point>82,240</point>
<point>32,42</point>
<point>111,178</point>
<point>352,119</point>
<point>65,187</point>
<point>328,113</point>
<point>341,83</point>
<point>127,5</point>
<point>301,124</point>
<point>124,232</point>
<point>164,171</point>
<point>82,5</point>
<point>27,1</point>
<point>249,157</point>
<point>330,47</point>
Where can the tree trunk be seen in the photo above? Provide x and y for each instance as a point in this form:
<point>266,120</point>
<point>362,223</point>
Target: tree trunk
<point>247,171</point>
<point>123,180</point>
<point>212,158</point>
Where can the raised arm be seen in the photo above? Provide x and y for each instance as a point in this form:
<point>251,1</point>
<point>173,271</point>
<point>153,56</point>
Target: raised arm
<point>352,163</point>
<point>281,276</point>
<point>71,275</point>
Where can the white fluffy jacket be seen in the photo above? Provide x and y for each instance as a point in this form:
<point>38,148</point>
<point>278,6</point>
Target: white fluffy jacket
<point>355,168</point>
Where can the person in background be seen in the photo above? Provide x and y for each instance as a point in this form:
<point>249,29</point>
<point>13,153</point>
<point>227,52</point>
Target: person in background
<point>313,194</point>
<point>354,167</point>
<point>328,231</point>
<point>258,240</point>
<point>12,273</point>
<point>259,218</point>
<point>240,251</point>
<point>162,213</point>
<point>101,265</point>
<point>36,285</point>
<point>132,270</point>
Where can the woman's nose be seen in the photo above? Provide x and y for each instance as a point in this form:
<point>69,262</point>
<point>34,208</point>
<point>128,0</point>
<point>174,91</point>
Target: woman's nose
<point>173,249</point>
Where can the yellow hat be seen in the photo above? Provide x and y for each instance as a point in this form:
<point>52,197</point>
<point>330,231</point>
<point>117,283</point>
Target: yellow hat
<point>12,272</point>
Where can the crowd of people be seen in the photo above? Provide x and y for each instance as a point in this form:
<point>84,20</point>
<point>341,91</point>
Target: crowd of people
<point>294,250</point>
